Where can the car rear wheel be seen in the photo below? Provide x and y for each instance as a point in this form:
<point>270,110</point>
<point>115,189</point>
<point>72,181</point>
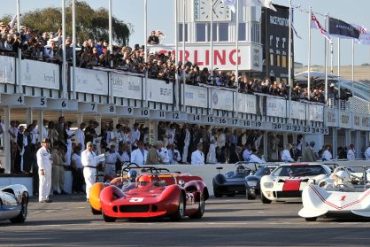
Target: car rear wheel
<point>264,199</point>
<point>311,219</point>
<point>201,208</point>
<point>21,217</point>
<point>108,218</point>
<point>180,213</point>
<point>216,193</point>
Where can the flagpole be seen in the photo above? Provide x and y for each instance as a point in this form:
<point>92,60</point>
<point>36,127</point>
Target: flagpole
<point>18,74</point>
<point>309,56</point>
<point>64,79</point>
<point>290,83</point>
<point>237,60</point>
<point>339,73</point>
<point>74,40</point>
<point>177,97</point>
<point>326,61</point>
<point>211,41</point>
<point>146,50</point>
<point>110,27</point>
<point>183,52</point>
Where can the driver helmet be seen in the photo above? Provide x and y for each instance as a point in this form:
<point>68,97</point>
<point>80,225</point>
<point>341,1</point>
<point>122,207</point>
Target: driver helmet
<point>131,175</point>
<point>144,180</point>
<point>343,177</point>
<point>240,169</point>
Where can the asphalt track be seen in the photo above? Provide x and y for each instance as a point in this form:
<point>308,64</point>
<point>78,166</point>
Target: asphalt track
<point>227,222</point>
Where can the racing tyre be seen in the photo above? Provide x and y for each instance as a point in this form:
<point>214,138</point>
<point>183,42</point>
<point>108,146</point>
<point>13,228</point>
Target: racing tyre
<point>201,209</point>
<point>21,217</point>
<point>95,212</point>
<point>264,199</point>
<point>311,219</point>
<point>108,218</point>
<point>250,196</point>
<point>216,194</point>
<point>180,213</point>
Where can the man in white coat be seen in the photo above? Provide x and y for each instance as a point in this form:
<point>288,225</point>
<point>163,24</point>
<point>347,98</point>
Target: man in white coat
<point>89,162</point>
<point>197,157</point>
<point>139,155</point>
<point>44,162</point>
<point>367,153</point>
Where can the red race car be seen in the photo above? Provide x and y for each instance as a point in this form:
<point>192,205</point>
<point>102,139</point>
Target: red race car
<point>155,192</point>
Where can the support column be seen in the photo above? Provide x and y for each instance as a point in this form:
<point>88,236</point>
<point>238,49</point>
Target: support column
<point>40,125</point>
<point>115,122</point>
<point>347,137</point>
<point>98,119</point>
<point>285,139</point>
<point>265,144</point>
<point>80,119</point>
<point>153,132</point>
<point>29,116</point>
<point>367,141</point>
<point>359,145</point>
<point>335,142</point>
<point>7,158</point>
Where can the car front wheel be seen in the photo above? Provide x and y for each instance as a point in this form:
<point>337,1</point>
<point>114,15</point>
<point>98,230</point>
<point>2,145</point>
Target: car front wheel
<point>21,217</point>
<point>264,199</point>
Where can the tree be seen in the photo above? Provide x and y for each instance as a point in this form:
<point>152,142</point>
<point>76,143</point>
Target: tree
<point>90,23</point>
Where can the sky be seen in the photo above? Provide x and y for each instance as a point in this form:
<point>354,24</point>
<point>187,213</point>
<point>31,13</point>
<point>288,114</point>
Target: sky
<point>161,17</point>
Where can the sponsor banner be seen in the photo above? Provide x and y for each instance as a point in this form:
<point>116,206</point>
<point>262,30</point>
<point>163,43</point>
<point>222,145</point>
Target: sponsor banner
<point>342,29</point>
<point>298,110</point>
<point>365,123</point>
<point>126,86</point>
<point>40,74</point>
<point>276,107</point>
<point>246,103</point>
<point>356,121</point>
<point>221,99</point>
<point>160,91</point>
<point>345,120</point>
<point>7,70</point>
<point>91,81</point>
<point>316,113</point>
<point>225,57</point>
<point>196,96</point>
<point>331,117</point>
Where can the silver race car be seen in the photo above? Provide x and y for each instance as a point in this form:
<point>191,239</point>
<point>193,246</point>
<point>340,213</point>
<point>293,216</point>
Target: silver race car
<point>13,203</point>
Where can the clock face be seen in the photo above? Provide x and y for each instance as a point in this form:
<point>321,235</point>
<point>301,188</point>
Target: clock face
<point>204,10</point>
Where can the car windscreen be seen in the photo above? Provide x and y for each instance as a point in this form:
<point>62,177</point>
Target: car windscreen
<point>263,171</point>
<point>299,171</point>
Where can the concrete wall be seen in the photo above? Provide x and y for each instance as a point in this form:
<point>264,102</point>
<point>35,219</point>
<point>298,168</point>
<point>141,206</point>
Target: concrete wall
<point>207,172</point>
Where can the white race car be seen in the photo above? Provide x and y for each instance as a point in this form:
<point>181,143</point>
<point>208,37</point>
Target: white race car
<point>345,192</point>
<point>287,181</point>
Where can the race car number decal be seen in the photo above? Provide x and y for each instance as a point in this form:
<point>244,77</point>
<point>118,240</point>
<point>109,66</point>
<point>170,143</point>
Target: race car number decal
<point>136,199</point>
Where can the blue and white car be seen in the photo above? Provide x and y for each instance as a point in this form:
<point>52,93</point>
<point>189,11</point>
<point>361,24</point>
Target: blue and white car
<point>14,203</point>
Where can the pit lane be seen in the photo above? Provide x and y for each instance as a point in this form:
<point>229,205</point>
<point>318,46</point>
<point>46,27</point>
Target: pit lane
<point>227,222</point>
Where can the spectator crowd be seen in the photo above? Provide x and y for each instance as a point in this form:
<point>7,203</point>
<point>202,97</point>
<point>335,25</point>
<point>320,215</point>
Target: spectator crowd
<point>47,46</point>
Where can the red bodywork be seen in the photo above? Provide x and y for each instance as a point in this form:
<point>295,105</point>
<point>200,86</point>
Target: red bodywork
<point>158,199</point>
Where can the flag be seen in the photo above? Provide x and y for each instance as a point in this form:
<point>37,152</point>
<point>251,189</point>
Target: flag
<point>267,4</point>
<point>364,38</point>
<point>316,24</point>
<point>342,29</point>
<point>293,28</point>
<point>231,4</point>
<point>264,3</point>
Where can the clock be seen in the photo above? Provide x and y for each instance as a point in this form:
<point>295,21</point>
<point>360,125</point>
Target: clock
<point>204,10</point>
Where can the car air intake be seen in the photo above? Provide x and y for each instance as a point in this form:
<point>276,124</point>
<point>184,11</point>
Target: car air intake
<point>134,209</point>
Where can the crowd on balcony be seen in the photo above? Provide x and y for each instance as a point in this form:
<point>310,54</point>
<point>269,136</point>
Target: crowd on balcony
<point>91,53</point>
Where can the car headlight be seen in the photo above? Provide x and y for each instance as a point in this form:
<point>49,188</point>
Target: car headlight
<point>252,183</point>
<point>268,185</point>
